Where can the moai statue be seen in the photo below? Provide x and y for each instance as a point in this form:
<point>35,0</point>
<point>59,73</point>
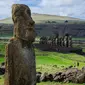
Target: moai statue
<point>58,41</point>
<point>65,37</point>
<point>41,40</point>
<point>49,41</point>
<point>55,40</point>
<point>45,40</point>
<point>63,41</point>
<point>20,56</point>
<point>70,41</point>
<point>66,40</point>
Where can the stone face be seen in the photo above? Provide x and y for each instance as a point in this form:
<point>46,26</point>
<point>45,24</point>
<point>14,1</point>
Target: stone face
<point>23,23</point>
<point>20,55</point>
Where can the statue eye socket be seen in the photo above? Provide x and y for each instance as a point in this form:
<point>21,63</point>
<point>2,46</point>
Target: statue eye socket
<point>28,12</point>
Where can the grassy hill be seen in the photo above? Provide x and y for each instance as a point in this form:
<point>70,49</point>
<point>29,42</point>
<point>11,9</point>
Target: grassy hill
<point>43,18</point>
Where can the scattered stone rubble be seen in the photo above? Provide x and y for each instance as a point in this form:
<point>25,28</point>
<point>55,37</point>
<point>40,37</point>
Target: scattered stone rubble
<point>73,75</point>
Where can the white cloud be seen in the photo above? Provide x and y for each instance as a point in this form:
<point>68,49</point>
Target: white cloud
<point>73,8</point>
<point>36,10</point>
<point>5,8</point>
<point>55,2</point>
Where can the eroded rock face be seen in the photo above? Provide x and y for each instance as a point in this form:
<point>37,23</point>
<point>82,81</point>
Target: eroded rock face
<point>23,23</point>
<point>20,55</point>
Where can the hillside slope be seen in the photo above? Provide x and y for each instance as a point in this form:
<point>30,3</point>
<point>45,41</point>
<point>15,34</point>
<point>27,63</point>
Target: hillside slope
<point>43,18</point>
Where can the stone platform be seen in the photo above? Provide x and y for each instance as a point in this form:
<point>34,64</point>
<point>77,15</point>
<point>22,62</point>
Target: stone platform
<point>47,47</point>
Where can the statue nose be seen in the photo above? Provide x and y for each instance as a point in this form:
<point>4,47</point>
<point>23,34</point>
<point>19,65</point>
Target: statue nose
<point>32,22</point>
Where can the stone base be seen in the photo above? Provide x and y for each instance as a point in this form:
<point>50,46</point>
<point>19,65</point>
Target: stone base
<point>46,47</point>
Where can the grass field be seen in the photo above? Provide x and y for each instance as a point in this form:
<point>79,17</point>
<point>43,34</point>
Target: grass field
<point>2,48</point>
<point>1,80</point>
<point>48,61</point>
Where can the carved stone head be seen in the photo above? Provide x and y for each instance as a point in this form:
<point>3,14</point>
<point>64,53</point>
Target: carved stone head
<point>23,23</point>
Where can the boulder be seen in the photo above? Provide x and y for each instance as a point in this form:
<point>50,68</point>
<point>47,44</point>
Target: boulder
<point>57,74</point>
<point>57,78</point>
<point>2,71</point>
<point>83,69</point>
<point>44,77</point>
<point>50,77</point>
<point>38,75</point>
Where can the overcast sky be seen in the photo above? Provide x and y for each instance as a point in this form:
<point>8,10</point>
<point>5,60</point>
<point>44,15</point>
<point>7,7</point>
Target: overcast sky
<point>72,8</point>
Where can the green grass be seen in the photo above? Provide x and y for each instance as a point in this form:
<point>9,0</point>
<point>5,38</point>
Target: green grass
<point>1,80</point>
<point>2,52</point>
<point>2,48</point>
<point>1,59</point>
<point>48,61</point>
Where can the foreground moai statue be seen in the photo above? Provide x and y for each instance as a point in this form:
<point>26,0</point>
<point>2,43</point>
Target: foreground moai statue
<point>20,56</point>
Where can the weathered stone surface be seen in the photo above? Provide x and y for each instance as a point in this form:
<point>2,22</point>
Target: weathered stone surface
<point>44,77</point>
<point>20,56</point>
<point>83,69</point>
<point>23,23</point>
<point>57,74</point>
<point>38,75</point>
<point>73,75</point>
<point>50,77</point>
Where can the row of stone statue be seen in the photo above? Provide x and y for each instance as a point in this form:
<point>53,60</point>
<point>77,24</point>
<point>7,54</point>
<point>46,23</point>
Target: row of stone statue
<point>65,41</point>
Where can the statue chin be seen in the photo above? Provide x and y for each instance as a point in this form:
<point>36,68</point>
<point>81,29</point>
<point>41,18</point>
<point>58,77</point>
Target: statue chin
<point>27,39</point>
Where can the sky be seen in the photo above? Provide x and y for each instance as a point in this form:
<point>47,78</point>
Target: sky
<point>72,8</point>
